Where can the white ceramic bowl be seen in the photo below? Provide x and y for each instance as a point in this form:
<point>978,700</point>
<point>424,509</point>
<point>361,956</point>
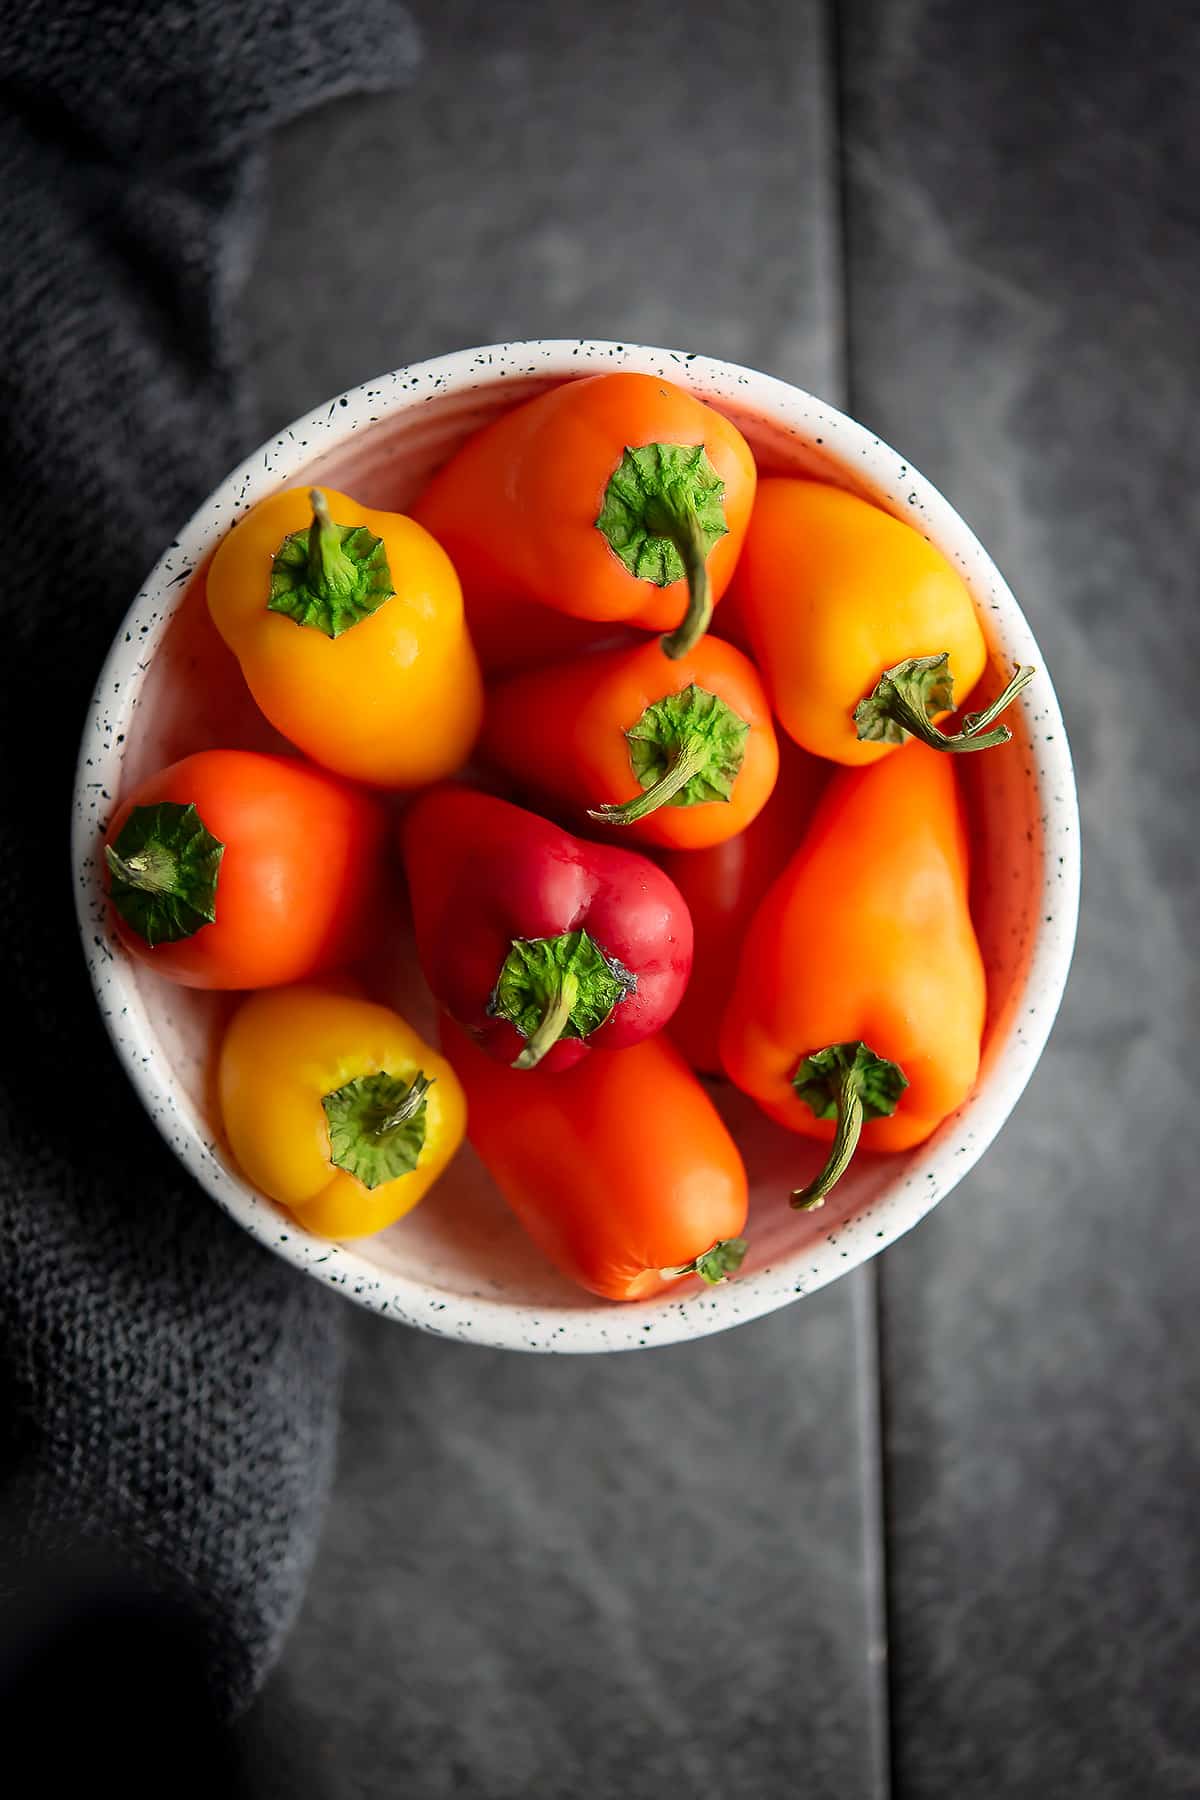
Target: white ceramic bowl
<point>459,1265</point>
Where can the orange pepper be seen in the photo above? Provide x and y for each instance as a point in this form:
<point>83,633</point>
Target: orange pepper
<point>861,628</point>
<point>349,628</point>
<point>723,886</point>
<point>619,1168</point>
<point>230,869</point>
<point>860,997</point>
<point>677,753</point>
<point>585,495</point>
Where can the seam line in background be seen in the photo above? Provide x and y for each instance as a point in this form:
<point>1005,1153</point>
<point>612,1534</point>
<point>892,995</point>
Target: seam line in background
<point>868,1296</point>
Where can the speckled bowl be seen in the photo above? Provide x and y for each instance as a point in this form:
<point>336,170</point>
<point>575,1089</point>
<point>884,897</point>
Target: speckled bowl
<point>459,1266</point>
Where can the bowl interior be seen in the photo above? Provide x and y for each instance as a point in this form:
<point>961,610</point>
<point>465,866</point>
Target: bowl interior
<point>459,1264</point>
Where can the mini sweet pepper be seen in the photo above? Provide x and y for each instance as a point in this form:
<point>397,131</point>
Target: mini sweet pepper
<point>335,1108</point>
<point>542,945</point>
<point>230,869</point>
<point>859,1002</point>
<point>348,624</point>
<point>862,629</point>
<point>593,495</point>
<point>621,1169</point>
<point>680,752</point>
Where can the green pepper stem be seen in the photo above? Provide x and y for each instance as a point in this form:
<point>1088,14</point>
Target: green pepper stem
<point>330,571</point>
<point>716,1264</point>
<point>847,1089</point>
<point>852,1083</point>
<point>903,703</point>
<point>687,761</point>
<point>679,523</point>
<point>153,870</point>
<point>407,1108</point>
<point>974,723</point>
<point>163,871</point>
<point>377,1126</point>
<point>554,1022</point>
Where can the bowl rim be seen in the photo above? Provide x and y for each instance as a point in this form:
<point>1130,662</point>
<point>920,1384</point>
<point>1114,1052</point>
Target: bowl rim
<point>931,1172</point>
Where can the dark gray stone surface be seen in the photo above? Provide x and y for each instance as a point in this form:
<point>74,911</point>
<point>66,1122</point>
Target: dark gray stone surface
<point>631,1576</point>
<point>619,1577</point>
<point>1024,235</point>
<point>658,174</point>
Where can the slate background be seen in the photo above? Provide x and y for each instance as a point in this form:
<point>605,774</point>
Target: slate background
<point>977,226</point>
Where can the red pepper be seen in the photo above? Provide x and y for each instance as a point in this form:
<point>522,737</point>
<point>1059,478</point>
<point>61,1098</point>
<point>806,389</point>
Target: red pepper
<point>722,887</point>
<point>541,945</point>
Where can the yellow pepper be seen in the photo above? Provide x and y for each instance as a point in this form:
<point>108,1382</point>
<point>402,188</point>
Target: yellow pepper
<point>862,630</point>
<point>349,628</point>
<point>336,1108</point>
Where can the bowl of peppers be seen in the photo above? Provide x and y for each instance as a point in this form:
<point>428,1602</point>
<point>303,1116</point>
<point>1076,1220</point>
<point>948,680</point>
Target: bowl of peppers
<point>576,845</point>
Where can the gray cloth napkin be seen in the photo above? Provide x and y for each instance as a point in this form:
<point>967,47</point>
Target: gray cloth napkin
<point>167,1389</point>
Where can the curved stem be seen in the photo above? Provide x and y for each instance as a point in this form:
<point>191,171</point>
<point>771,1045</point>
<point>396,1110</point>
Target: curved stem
<point>330,570</point>
<point>906,697</point>
<point>973,723</point>
<point>845,1143</point>
<point>681,525</point>
<point>717,1264</point>
<point>401,1114</point>
<point>852,1083</point>
<point>687,761</point>
<point>554,1023</point>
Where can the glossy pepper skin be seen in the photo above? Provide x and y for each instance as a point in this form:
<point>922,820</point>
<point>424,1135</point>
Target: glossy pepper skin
<point>395,698</point>
<point>621,1169</point>
<point>510,634</point>
<point>336,1108</point>
<point>617,497</point>
<point>862,630</point>
<point>542,945</point>
<point>678,752</point>
<point>231,869</point>
<point>722,887</point>
<point>865,939</point>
